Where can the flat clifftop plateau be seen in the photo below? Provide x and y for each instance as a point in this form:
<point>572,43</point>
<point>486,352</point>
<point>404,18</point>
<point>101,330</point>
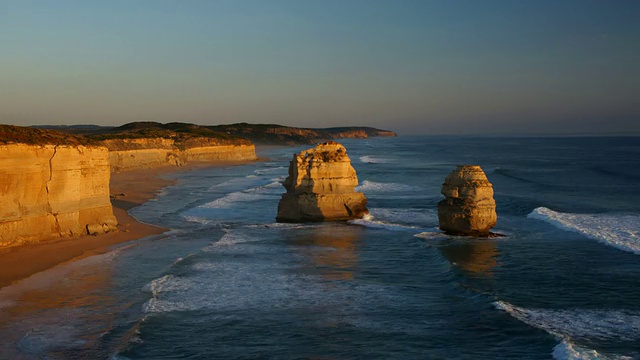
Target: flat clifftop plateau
<point>272,134</point>
<point>146,145</point>
<point>52,191</point>
<point>10,134</point>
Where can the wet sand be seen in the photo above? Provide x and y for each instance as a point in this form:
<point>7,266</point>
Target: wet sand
<point>128,189</point>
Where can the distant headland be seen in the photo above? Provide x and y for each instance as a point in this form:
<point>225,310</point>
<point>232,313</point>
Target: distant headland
<point>262,134</point>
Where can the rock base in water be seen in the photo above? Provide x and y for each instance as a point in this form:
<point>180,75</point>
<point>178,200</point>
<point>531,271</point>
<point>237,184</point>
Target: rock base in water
<point>320,187</point>
<point>321,207</point>
<point>468,208</point>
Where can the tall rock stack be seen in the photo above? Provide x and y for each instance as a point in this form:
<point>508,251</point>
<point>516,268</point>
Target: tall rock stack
<point>320,187</point>
<point>468,207</point>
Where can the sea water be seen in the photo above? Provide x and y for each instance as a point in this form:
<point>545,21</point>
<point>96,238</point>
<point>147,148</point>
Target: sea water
<point>227,282</point>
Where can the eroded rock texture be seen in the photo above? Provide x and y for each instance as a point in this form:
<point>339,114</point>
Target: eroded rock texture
<point>468,207</point>
<point>320,187</point>
<point>149,153</point>
<point>52,191</point>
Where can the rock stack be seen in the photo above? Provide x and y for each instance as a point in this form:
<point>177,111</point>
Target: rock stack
<point>468,208</point>
<point>320,187</point>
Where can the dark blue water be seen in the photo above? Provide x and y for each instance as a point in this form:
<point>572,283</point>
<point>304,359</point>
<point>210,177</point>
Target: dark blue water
<point>230,283</point>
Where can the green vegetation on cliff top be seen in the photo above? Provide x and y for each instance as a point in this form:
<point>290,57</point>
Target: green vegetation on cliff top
<point>184,133</point>
<point>177,131</point>
<point>32,136</point>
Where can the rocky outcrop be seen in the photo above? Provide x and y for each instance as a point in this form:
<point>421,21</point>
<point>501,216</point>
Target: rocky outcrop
<point>53,191</point>
<point>468,207</point>
<point>147,153</point>
<point>320,187</point>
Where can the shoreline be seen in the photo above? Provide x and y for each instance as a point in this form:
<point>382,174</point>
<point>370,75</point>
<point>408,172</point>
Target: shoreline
<point>128,189</point>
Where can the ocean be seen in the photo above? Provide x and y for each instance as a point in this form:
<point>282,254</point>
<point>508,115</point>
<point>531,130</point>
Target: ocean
<point>227,282</point>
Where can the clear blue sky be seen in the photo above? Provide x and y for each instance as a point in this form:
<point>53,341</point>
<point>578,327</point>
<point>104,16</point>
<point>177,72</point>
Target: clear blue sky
<point>432,67</point>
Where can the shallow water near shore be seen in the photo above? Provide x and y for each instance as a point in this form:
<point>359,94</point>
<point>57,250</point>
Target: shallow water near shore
<point>229,282</point>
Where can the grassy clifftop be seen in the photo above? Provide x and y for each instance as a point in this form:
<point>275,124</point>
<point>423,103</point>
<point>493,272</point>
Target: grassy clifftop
<point>180,132</point>
<point>27,135</point>
<point>242,133</point>
<point>278,134</point>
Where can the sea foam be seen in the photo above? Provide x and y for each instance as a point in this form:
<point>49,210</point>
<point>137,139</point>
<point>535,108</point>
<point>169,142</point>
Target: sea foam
<point>369,222</point>
<point>395,219</point>
<point>620,231</point>
<point>270,170</point>
<point>373,160</point>
<point>579,324</point>
<point>370,186</point>
<point>231,199</point>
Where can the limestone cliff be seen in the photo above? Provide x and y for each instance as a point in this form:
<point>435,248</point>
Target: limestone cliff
<point>468,207</point>
<point>146,153</point>
<point>51,191</point>
<point>320,187</point>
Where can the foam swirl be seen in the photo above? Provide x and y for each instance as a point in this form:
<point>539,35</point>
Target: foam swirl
<point>619,231</point>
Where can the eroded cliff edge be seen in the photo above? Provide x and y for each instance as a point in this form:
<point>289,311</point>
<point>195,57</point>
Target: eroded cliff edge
<point>147,153</point>
<point>50,191</point>
<point>320,187</point>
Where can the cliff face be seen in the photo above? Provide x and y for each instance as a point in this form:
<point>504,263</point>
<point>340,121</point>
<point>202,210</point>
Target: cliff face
<point>52,191</point>
<point>320,187</point>
<point>468,207</point>
<point>127,154</point>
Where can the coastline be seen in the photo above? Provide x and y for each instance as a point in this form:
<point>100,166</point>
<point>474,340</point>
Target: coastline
<point>131,188</point>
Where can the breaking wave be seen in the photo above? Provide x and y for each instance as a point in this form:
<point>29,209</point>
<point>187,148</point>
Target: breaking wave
<point>270,170</point>
<point>619,231</point>
<point>373,160</point>
<point>579,325</point>
<point>370,186</point>
<point>371,222</point>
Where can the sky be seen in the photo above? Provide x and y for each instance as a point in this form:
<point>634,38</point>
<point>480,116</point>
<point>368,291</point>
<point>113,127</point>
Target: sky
<point>415,67</point>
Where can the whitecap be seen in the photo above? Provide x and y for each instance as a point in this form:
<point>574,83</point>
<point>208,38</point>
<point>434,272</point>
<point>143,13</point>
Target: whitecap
<point>620,231</point>
<point>229,239</point>
<point>369,221</point>
<point>197,220</point>
<point>579,324</point>
<point>230,199</point>
<point>275,184</point>
<point>370,186</point>
<point>167,283</point>
<point>269,170</point>
<point>373,160</point>
<point>566,350</point>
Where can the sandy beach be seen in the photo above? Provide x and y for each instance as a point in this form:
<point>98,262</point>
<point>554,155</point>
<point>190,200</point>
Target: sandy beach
<point>131,189</point>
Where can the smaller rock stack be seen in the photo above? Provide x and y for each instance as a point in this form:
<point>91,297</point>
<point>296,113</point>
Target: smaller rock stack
<point>320,187</point>
<point>468,208</point>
